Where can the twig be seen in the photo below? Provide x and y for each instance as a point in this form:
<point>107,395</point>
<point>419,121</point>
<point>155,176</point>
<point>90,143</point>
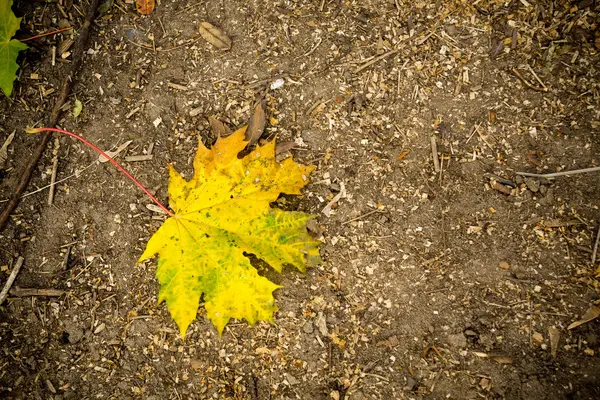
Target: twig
<point>308,53</point>
<point>526,82</point>
<point>56,112</point>
<point>557,174</point>
<point>54,170</point>
<point>27,292</point>
<point>483,137</point>
<point>537,78</point>
<point>11,279</point>
<point>59,181</point>
<point>376,60</point>
<point>434,154</point>
<point>361,216</point>
<point>595,252</point>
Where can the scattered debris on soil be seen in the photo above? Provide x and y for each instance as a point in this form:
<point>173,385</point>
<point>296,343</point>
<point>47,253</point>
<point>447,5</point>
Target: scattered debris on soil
<point>446,274</point>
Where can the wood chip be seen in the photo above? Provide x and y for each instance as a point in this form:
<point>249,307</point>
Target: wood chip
<point>214,36</point>
<point>174,85</point>
<point>141,157</point>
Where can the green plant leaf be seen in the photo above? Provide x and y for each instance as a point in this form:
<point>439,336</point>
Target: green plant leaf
<point>77,108</point>
<point>9,48</point>
<point>222,214</point>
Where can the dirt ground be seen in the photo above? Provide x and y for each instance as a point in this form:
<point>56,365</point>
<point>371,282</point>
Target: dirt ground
<point>452,278</point>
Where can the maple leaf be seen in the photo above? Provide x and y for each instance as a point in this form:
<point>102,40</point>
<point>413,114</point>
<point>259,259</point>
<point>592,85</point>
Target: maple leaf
<point>220,215</point>
<point>9,48</point>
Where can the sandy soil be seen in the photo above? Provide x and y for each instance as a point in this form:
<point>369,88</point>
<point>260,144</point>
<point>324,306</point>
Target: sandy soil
<point>446,274</point>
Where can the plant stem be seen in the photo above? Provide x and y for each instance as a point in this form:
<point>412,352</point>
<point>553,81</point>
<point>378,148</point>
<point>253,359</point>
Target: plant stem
<point>109,158</point>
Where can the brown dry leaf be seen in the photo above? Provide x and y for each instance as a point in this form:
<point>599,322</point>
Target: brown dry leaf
<point>284,147</point>
<point>144,7</point>
<point>554,334</point>
<point>219,128</point>
<point>592,313</point>
<point>256,126</point>
<point>214,36</point>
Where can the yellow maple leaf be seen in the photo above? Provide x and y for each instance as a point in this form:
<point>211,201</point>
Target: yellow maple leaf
<point>219,215</point>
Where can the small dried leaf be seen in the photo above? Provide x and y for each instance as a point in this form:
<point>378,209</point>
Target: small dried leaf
<point>256,127</point>
<point>284,147</point>
<point>219,128</point>
<point>592,313</point>
<point>554,334</point>
<point>144,7</point>
<point>214,36</point>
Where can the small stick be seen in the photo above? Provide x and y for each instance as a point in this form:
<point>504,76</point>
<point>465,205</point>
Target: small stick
<point>11,279</point>
<point>436,160</point>
<point>376,60</point>
<point>557,174</point>
<point>526,82</point>
<point>27,292</point>
<point>537,78</point>
<point>54,170</point>
<point>483,137</point>
<point>362,216</point>
<point>65,262</point>
<point>595,253</point>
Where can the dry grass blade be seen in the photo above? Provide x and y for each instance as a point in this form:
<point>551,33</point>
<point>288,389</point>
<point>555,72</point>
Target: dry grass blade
<point>144,7</point>
<point>219,128</point>
<point>214,36</point>
<point>256,127</point>
<point>4,149</point>
<point>592,313</point>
